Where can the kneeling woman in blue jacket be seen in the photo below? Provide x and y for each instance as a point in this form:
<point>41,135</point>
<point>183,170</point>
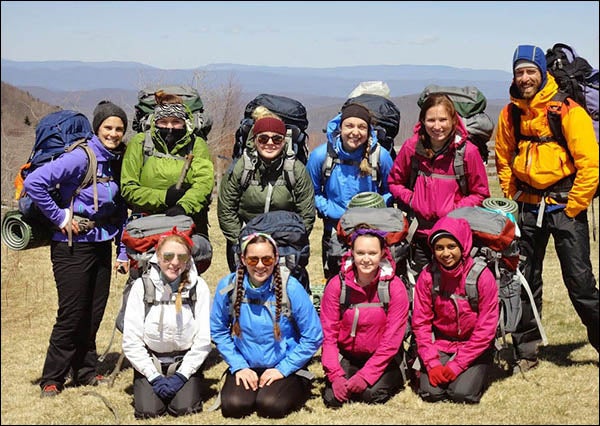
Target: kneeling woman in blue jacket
<point>266,350</point>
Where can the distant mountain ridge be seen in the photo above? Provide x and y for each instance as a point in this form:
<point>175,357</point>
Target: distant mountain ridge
<point>294,81</point>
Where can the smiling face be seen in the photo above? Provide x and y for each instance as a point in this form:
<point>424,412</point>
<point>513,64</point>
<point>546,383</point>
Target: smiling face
<point>173,258</point>
<point>354,133</point>
<point>438,124</point>
<point>528,80</point>
<point>260,260</point>
<point>269,145</point>
<point>447,252</point>
<point>111,132</point>
<point>367,252</point>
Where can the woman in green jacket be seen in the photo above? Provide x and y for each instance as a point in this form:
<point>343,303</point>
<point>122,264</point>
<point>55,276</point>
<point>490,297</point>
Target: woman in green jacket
<point>244,194</point>
<point>156,159</point>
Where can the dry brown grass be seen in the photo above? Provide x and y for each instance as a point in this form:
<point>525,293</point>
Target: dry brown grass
<point>563,390</point>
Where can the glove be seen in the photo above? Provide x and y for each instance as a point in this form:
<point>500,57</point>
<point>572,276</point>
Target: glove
<point>174,194</point>
<point>340,389</point>
<point>174,383</point>
<point>436,375</point>
<point>449,374</point>
<point>357,384</point>
<point>159,386</point>
<point>176,210</point>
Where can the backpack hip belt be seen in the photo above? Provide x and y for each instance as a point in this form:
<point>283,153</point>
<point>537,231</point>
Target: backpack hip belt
<point>558,191</point>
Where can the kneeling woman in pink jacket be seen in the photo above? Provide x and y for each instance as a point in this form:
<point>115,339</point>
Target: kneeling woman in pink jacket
<point>454,342</point>
<point>362,337</point>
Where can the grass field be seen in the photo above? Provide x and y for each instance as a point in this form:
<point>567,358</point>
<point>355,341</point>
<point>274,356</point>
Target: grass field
<point>562,390</point>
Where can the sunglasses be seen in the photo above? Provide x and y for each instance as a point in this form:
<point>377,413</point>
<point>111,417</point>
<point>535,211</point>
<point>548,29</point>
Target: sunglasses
<point>266,260</point>
<point>264,139</point>
<point>168,256</point>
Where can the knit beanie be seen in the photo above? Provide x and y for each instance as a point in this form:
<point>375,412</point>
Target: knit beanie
<point>528,55</point>
<point>358,111</point>
<point>269,124</point>
<point>106,109</point>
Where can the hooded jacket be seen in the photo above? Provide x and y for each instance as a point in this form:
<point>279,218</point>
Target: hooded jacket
<point>236,207</point>
<point>68,172</point>
<point>434,197</point>
<point>541,165</point>
<point>378,335</point>
<point>301,334</point>
<point>144,183</point>
<point>332,197</point>
<point>163,330</point>
<point>455,327</point>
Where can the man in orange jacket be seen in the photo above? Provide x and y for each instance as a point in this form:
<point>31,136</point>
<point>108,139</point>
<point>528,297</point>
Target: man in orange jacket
<point>553,185</point>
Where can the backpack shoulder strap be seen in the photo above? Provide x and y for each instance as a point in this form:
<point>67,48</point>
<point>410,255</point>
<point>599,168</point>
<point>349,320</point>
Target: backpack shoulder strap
<point>374,163</point>
<point>473,275</point>
<point>459,168</point>
<point>383,291</point>
<point>554,113</point>
<point>331,158</point>
<point>414,171</point>
<point>248,172</point>
<point>149,293</point>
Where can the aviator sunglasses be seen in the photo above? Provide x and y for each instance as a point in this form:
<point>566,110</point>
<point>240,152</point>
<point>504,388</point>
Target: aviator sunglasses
<point>266,260</point>
<point>264,139</point>
<point>169,256</point>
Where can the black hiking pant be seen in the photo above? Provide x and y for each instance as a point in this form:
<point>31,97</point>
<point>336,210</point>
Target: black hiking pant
<point>82,274</point>
<point>572,244</point>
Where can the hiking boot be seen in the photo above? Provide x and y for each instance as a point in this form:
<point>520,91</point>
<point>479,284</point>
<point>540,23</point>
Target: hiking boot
<point>49,391</point>
<point>523,365</point>
<point>92,381</point>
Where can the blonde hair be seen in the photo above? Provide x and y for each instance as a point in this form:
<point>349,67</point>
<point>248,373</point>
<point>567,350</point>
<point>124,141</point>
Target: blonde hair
<point>185,275</point>
<point>262,112</point>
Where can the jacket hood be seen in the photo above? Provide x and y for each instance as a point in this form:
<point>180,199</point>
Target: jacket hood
<point>458,228</point>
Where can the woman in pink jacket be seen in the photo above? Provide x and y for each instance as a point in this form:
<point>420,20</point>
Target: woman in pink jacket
<point>455,344</point>
<point>359,351</point>
<point>424,179</point>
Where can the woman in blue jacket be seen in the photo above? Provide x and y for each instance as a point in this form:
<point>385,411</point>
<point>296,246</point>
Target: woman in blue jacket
<point>266,347</point>
<point>82,267</point>
<point>350,162</point>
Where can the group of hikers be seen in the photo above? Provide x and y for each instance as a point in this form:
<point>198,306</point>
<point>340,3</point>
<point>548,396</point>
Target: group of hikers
<point>266,328</point>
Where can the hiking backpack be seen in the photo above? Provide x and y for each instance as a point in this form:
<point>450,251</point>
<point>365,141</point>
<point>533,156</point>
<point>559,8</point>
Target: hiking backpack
<point>146,101</point>
<point>141,235</point>
<point>57,133</point>
<point>389,219</point>
<point>575,77</point>
<point>470,103</point>
<point>289,232</point>
<point>386,117</point>
<point>293,114</point>
<point>496,247</point>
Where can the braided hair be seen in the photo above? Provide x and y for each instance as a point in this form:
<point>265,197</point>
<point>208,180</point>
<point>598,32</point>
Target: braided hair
<point>240,290</point>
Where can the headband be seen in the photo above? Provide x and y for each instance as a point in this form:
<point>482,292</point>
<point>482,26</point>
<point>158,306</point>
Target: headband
<point>174,231</point>
<point>250,237</point>
<point>375,232</point>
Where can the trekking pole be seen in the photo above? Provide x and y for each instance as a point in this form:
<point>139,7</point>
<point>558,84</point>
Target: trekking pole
<point>186,166</point>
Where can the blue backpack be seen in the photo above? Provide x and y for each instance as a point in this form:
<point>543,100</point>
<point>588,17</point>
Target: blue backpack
<point>55,134</point>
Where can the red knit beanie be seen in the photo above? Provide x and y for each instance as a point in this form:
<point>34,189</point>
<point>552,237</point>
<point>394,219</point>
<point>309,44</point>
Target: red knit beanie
<point>269,124</point>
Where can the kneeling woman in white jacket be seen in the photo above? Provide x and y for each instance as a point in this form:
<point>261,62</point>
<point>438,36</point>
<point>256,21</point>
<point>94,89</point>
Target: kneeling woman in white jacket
<point>168,339</point>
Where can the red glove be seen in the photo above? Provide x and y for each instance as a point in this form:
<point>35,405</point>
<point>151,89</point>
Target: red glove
<point>449,374</point>
<point>340,389</point>
<point>436,375</point>
<point>357,384</point>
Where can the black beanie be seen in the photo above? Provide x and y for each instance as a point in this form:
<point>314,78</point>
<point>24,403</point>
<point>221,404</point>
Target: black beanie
<point>356,110</point>
<point>106,109</point>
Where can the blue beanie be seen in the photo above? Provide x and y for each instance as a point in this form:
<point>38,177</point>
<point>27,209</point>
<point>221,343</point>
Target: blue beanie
<point>534,55</point>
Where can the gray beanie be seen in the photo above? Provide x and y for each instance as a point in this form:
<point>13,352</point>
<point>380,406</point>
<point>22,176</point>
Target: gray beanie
<point>106,109</point>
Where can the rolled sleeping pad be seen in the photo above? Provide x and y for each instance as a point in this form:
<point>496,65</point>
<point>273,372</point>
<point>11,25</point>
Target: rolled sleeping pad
<point>19,233</point>
<point>503,205</point>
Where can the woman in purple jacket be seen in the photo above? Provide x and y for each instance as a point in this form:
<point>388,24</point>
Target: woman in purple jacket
<point>454,343</point>
<point>82,267</point>
<point>361,340</point>
<point>439,137</point>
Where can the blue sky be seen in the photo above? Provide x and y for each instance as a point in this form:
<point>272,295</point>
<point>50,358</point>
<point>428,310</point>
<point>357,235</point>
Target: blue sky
<point>185,35</point>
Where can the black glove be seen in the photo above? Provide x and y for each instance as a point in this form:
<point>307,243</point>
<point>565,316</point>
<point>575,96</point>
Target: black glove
<point>174,194</point>
<point>176,210</point>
